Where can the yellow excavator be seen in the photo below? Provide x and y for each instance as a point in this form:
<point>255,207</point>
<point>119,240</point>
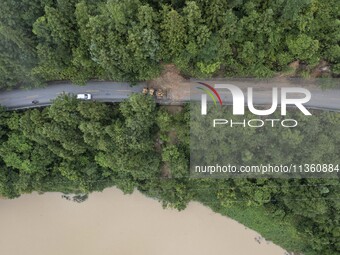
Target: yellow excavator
<point>145,91</point>
<point>159,94</point>
<point>151,91</point>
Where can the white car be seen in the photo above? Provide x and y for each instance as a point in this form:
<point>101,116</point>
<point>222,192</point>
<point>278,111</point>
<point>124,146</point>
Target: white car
<point>84,96</point>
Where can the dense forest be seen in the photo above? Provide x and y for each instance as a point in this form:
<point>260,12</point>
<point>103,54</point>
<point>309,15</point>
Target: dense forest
<point>77,147</point>
<point>130,40</point>
<point>314,140</point>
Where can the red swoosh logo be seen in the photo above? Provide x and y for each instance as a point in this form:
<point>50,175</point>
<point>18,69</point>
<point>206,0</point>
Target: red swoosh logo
<point>213,90</point>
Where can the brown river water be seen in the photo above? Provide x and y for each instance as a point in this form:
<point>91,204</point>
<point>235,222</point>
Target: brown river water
<point>110,223</point>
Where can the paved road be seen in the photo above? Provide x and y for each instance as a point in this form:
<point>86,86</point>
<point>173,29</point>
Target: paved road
<point>116,92</point>
<point>103,91</point>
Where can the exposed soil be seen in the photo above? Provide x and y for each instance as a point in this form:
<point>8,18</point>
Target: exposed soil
<point>172,82</point>
<point>297,68</point>
<point>173,109</point>
<point>294,65</point>
<point>173,137</point>
<point>165,170</point>
<point>321,70</point>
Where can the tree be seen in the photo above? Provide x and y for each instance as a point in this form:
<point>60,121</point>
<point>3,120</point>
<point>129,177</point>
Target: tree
<point>304,48</point>
<point>128,50</point>
<point>173,33</point>
<point>57,39</point>
<point>17,42</point>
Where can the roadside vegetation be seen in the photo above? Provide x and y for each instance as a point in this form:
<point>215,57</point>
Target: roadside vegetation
<point>77,147</point>
<point>78,40</point>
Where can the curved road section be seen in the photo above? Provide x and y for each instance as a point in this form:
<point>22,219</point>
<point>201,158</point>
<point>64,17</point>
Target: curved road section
<point>117,92</point>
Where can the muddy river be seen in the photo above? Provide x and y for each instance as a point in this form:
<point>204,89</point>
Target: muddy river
<point>110,223</point>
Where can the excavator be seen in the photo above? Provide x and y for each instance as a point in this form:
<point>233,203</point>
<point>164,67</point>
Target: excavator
<point>151,91</point>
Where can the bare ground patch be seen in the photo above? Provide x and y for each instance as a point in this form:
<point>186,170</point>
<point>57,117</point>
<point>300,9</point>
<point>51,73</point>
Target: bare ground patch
<point>173,109</point>
<point>165,170</point>
<point>176,86</point>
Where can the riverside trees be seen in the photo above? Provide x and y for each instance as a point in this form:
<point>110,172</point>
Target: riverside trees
<point>79,146</point>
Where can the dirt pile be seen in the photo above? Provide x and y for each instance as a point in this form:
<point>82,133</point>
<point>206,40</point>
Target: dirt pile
<point>171,81</point>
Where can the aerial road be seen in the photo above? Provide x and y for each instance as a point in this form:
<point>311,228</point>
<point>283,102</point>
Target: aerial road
<point>115,92</point>
<point>103,91</point>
